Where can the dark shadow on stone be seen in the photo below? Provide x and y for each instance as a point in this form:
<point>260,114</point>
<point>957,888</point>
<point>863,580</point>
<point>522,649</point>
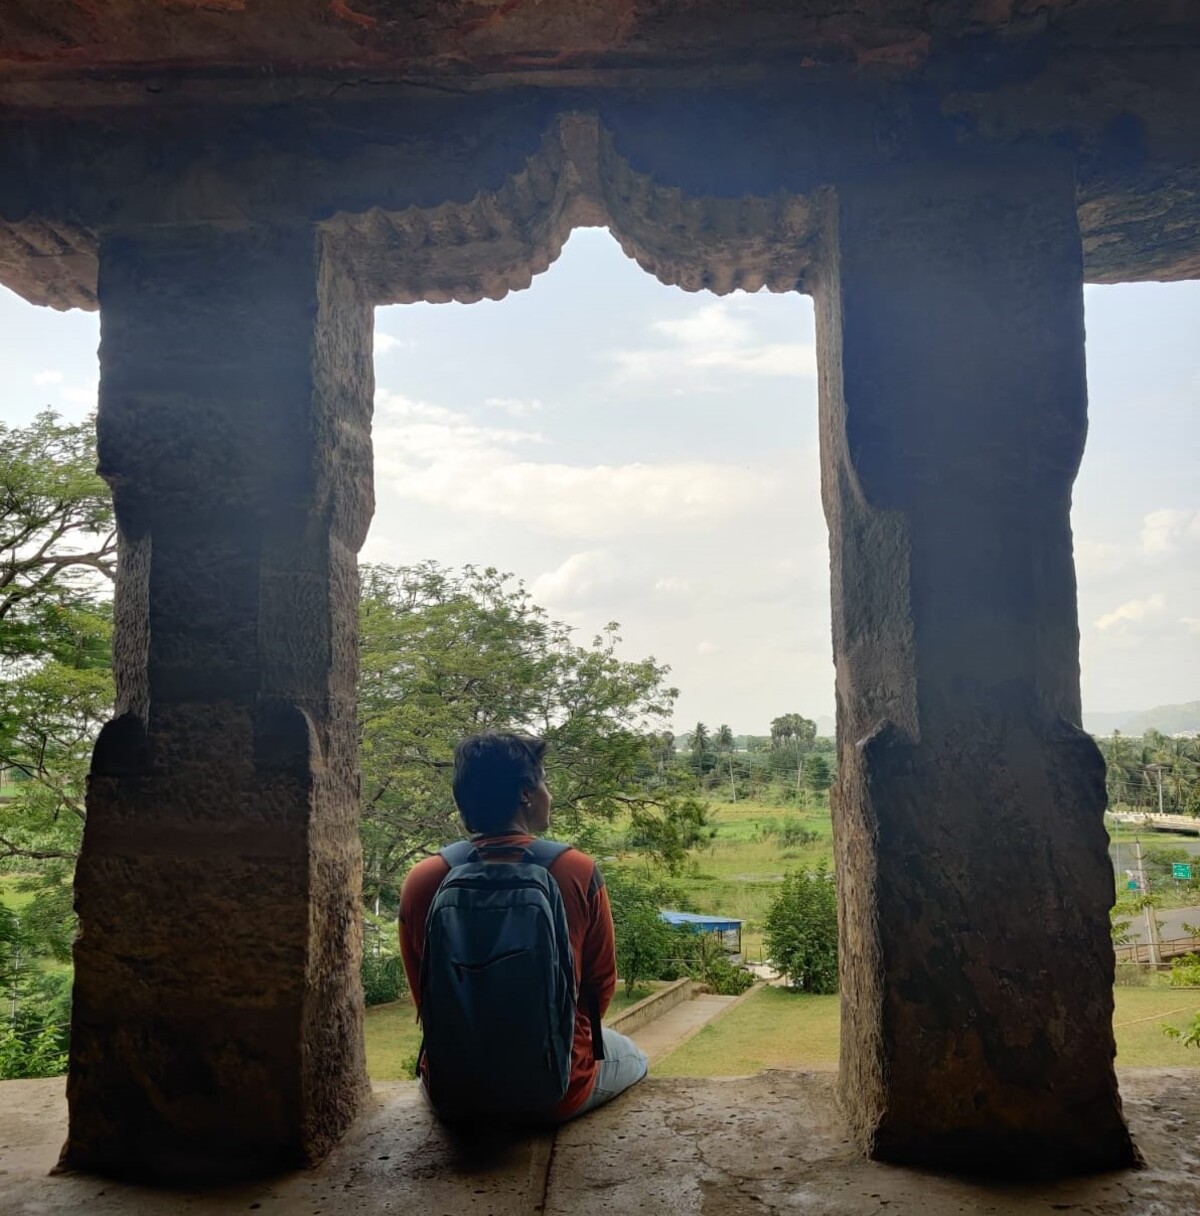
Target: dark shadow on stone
<point>121,748</point>
<point>285,740</point>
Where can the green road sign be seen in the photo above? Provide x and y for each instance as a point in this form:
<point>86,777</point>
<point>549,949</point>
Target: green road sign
<point>1131,885</point>
<point>1181,869</point>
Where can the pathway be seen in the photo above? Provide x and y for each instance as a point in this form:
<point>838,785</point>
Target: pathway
<point>678,1024</point>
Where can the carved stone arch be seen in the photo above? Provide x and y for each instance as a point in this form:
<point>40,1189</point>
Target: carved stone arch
<point>500,239</point>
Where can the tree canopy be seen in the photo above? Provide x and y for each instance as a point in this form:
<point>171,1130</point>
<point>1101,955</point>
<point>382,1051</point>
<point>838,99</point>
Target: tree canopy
<point>57,554</point>
<point>57,536</point>
<point>445,653</point>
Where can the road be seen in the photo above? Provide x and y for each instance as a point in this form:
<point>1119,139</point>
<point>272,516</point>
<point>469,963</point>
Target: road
<point>1172,921</point>
<point>1123,853</point>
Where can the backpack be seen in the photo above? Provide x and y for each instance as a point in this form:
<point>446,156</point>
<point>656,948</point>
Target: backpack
<point>498,995</point>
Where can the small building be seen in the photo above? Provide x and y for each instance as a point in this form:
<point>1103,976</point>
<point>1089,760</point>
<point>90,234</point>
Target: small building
<point>723,927</point>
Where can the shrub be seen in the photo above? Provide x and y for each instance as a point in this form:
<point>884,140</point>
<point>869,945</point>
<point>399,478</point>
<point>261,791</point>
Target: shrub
<point>1189,1036</point>
<point>39,1054</point>
<point>801,931</point>
<point>383,978</point>
<point>724,978</point>
<point>1131,975</point>
<point>645,942</point>
<point>1185,972</point>
<point>790,832</point>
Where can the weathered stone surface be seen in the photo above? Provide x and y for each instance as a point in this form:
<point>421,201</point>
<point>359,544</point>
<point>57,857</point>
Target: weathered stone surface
<point>217,1021</point>
<point>464,187</point>
<point>728,1147</point>
<point>976,976</point>
<point>476,37</point>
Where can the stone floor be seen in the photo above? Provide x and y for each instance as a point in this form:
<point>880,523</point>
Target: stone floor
<point>727,1147</point>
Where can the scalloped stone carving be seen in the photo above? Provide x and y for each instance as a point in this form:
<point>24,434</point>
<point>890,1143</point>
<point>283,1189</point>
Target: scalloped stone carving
<point>499,240</point>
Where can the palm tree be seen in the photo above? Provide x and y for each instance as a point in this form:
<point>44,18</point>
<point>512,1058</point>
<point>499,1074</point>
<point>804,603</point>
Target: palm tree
<point>725,745</point>
<point>700,745</point>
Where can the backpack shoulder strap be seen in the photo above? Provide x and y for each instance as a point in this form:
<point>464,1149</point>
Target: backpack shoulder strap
<point>457,854</point>
<point>546,852</point>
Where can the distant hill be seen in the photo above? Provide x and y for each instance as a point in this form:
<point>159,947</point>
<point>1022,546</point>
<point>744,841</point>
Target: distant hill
<point>1169,719</point>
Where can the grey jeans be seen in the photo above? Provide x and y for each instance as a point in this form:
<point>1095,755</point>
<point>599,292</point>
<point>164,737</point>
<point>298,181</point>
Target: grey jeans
<point>624,1064</point>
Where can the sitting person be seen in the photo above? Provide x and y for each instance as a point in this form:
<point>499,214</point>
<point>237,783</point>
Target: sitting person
<point>508,946</point>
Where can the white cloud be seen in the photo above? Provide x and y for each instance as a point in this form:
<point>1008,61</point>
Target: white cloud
<point>708,648</point>
<point>672,584</point>
<point>1132,610</point>
<point>712,325</point>
<point>48,378</point>
<point>713,339</point>
<point>1190,623</point>
<point>587,578</point>
<point>1168,530</point>
<point>1094,557</point>
<point>83,394</point>
<point>434,455</point>
<point>514,407</point>
<point>388,342</point>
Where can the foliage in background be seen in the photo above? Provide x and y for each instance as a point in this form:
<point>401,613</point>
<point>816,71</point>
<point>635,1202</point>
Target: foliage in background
<point>382,968</point>
<point>446,653</point>
<point>36,1012</point>
<point>1185,971</point>
<point>646,944</point>
<point>801,932</point>
<point>1135,765</point>
<point>56,531</point>
<point>1188,1036</point>
<point>57,556</point>
<point>712,967</point>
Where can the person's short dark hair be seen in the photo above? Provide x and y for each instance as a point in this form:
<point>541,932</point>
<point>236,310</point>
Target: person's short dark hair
<point>491,772</point>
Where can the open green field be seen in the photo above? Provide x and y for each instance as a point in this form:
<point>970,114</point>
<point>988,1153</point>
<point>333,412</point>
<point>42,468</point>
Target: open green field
<point>778,1029</point>
<point>739,873</point>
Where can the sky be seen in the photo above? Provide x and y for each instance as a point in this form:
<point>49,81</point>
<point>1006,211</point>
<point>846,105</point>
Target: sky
<point>638,454</point>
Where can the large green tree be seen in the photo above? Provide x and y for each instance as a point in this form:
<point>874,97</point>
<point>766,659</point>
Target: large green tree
<point>57,536</point>
<point>57,555</point>
<point>57,549</point>
<point>445,653</point>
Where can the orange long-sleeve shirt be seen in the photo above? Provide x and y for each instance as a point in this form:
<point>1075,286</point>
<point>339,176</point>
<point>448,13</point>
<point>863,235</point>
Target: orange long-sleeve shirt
<point>589,923</point>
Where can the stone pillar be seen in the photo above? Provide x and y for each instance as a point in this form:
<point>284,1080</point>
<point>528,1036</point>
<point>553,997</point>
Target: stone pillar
<point>975,884</point>
<point>217,1021</point>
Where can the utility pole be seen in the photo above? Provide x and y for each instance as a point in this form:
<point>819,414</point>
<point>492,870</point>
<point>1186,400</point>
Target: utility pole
<point>1147,907</point>
<point>1157,769</point>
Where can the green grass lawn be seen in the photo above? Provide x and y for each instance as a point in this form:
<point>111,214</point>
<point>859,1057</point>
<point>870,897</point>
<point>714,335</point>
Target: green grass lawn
<point>778,1029</point>
<point>1138,1020</point>
<point>770,1029</point>
<point>393,1036</point>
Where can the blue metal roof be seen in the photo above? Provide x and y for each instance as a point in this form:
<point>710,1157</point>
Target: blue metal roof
<point>717,924</point>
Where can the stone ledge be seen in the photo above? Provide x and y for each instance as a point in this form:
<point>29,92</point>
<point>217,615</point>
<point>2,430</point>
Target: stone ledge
<point>652,1006</point>
<point>717,1147</point>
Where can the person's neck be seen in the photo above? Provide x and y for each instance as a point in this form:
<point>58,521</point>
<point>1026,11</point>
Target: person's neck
<point>513,829</point>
